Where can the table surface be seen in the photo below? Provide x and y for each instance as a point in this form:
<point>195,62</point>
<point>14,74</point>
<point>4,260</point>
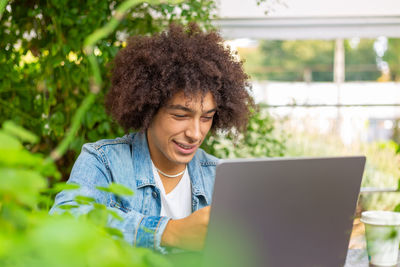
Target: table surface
<point>357,258</point>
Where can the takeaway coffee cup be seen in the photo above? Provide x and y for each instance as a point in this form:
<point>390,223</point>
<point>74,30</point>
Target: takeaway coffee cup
<point>382,231</point>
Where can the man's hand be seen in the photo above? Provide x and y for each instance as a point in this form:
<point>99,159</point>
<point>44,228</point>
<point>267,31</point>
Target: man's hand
<point>188,233</point>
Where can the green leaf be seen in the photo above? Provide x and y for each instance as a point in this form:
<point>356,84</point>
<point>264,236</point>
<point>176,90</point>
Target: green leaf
<point>24,159</point>
<point>77,143</point>
<point>154,259</point>
<point>90,119</point>
<point>117,189</point>
<point>21,185</point>
<point>114,232</point>
<point>83,200</point>
<point>68,206</point>
<point>16,130</point>
<point>98,216</point>
<point>19,158</point>
<point>8,142</point>
<point>99,206</point>
<point>65,186</point>
<point>114,214</point>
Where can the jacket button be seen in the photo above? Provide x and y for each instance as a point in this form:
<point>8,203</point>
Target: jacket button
<point>154,194</point>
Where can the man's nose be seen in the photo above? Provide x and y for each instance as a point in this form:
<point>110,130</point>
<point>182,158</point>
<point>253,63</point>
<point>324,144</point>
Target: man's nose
<point>193,131</point>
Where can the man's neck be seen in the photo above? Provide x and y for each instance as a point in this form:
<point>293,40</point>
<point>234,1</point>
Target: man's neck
<point>162,163</point>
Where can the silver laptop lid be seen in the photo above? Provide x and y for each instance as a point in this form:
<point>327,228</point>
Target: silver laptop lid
<point>283,212</point>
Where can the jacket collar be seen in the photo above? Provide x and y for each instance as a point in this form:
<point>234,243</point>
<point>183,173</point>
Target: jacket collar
<point>143,172</point>
<point>142,167</point>
<point>197,177</point>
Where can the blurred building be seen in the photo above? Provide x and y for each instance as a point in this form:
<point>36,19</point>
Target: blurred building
<point>364,111</point>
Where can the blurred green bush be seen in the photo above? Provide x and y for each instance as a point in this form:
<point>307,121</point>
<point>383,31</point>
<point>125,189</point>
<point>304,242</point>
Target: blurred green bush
<point>262,139</point>
<point>45,74</point>
<point>31,237</point>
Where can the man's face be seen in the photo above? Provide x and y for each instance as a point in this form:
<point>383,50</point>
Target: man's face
<point>179,128</point>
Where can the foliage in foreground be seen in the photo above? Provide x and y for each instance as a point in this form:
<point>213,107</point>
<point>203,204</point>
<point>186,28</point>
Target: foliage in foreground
<point>31,237</point>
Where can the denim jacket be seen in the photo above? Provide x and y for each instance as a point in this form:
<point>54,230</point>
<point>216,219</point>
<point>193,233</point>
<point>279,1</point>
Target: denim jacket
<point>126,161</point>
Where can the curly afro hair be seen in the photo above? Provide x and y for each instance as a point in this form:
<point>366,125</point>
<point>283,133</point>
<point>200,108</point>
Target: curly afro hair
<point>151,69</point>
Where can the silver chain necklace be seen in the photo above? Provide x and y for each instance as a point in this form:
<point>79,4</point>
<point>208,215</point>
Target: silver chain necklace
<point>170,175</point>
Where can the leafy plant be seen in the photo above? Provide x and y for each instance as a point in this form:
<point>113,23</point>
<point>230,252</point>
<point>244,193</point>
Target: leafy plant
<point>30,237</point>
<point>262,139</point>
<point>45,70</point>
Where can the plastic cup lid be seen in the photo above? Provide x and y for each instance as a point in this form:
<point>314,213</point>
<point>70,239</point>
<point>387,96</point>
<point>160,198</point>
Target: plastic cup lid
<point>378,217</point>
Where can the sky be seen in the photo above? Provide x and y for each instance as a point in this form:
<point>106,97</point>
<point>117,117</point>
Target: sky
<point>299,8</point>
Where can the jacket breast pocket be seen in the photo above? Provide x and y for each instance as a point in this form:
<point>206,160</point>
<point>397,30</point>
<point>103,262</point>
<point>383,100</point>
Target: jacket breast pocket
<point>120,203</point>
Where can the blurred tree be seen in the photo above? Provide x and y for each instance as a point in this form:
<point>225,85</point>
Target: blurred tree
<point>392,57</point>
<point>360,60</point>
<point>45,74</point>
<point>310,60</point>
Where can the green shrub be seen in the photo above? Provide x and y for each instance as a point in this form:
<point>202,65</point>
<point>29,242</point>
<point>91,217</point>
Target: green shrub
<point>262,139</point>
<point>31,237</point>
<point>45,72</point>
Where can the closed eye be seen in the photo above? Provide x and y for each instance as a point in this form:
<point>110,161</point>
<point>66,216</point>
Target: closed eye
<point>207,118</point>
<point>179,116</point>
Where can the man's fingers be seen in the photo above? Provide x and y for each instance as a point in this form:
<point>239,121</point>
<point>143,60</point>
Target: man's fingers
<point>207,209</point>
<point>206,214</point>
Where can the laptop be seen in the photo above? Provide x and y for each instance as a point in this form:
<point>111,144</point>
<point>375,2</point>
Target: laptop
<point>283,212</point>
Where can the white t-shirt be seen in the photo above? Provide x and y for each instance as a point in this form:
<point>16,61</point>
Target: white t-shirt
<point>177,204</point>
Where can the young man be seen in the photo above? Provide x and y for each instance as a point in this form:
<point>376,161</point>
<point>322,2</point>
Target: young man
<point>172,88</point>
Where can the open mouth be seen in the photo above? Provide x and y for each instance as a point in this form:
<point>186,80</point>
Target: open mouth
<point>185,148</point>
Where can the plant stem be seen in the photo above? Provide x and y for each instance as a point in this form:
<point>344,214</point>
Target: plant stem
<point>3,4</point>
<point>76,123</point>
<point>95,79</point>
